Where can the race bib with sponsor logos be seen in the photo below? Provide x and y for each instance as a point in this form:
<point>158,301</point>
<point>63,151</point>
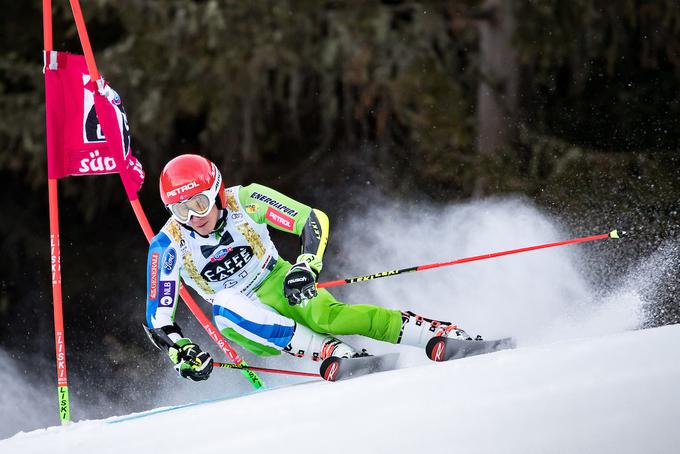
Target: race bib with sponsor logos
<point>226,262</point>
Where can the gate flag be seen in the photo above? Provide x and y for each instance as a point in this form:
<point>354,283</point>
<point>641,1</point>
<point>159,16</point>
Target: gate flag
<point>79,111</point>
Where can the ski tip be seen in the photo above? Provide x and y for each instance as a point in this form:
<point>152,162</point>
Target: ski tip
<point>508,343</point>
<point>329,368</point>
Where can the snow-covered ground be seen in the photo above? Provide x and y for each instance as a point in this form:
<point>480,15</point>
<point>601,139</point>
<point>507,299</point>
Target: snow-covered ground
<point>581,380</point>
<point>617,393</point>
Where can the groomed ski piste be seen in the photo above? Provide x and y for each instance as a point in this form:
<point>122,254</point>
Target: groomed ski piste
<point>583,379</point>
<point>612,394</point>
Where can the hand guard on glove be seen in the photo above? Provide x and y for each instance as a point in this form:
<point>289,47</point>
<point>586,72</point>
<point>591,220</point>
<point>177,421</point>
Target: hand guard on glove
<point>299,284</point>
<point>190,361</point>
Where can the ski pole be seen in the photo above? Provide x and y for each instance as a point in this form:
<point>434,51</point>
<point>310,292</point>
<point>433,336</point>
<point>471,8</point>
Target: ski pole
<point>613,234</point>
<point>264,369</point>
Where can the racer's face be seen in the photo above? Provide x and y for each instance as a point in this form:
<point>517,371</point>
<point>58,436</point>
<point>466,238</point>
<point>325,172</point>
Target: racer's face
<point>203,225</point>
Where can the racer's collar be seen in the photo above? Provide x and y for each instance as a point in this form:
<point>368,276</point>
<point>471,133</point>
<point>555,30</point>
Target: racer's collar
<point>221,221</point>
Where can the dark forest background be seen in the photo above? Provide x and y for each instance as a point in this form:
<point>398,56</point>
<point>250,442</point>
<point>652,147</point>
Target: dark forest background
<point>574,103</point>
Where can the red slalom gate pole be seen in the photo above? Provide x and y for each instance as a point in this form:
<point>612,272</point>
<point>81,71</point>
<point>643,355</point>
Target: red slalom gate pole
<point>613,234</point>
<point>55,256</point>
<point>264,369</point>
<point>47,24</point>
<point>84,40</point>
<point>215,335</point>
<point>59,338</point>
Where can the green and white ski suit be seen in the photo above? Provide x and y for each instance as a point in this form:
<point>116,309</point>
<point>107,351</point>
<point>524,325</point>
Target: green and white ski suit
<point>238,269</point>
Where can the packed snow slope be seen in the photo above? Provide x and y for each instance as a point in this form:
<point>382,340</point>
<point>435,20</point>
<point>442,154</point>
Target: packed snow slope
<point>617,393</point>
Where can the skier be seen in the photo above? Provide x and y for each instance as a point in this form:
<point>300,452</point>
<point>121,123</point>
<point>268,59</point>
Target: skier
<point>217,242</point>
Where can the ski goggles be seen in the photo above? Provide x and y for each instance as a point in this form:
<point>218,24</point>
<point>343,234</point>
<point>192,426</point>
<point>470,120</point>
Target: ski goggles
<point>198,205</point>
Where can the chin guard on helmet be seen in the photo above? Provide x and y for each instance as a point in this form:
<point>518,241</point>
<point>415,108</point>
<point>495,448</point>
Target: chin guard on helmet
<point>160,337</point>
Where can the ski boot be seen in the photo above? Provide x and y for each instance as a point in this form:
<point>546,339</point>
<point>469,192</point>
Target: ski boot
<point>319,346</point>
<point>417,330</point>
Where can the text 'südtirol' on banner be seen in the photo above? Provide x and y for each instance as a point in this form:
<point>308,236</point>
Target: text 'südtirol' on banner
<point>78,111</point>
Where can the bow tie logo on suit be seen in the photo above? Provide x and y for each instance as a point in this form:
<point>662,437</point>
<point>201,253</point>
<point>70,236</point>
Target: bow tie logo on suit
<point>207,251</point>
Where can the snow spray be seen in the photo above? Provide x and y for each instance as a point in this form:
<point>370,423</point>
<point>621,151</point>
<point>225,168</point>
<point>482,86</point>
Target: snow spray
<point>536,297</point>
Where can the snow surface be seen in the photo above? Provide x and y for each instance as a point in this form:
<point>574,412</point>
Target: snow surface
<point>582,380</point>
<point>617,393</point>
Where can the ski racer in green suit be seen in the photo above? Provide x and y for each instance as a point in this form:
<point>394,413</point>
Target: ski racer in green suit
<point>217,242</point>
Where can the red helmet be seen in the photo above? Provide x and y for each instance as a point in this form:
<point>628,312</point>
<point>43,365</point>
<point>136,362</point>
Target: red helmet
<point>186,177</point>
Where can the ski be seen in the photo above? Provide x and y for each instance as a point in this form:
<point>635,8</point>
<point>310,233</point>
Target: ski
<point>336,369</point>
<point>447,348</point>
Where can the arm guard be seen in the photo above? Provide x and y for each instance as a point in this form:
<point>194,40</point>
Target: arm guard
<point>313,240</point>
<point>162,338</point>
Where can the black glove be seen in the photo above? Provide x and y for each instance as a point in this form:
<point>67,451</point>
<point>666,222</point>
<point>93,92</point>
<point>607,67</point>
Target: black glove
<point>190,361</point>
<point>299,284</point>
